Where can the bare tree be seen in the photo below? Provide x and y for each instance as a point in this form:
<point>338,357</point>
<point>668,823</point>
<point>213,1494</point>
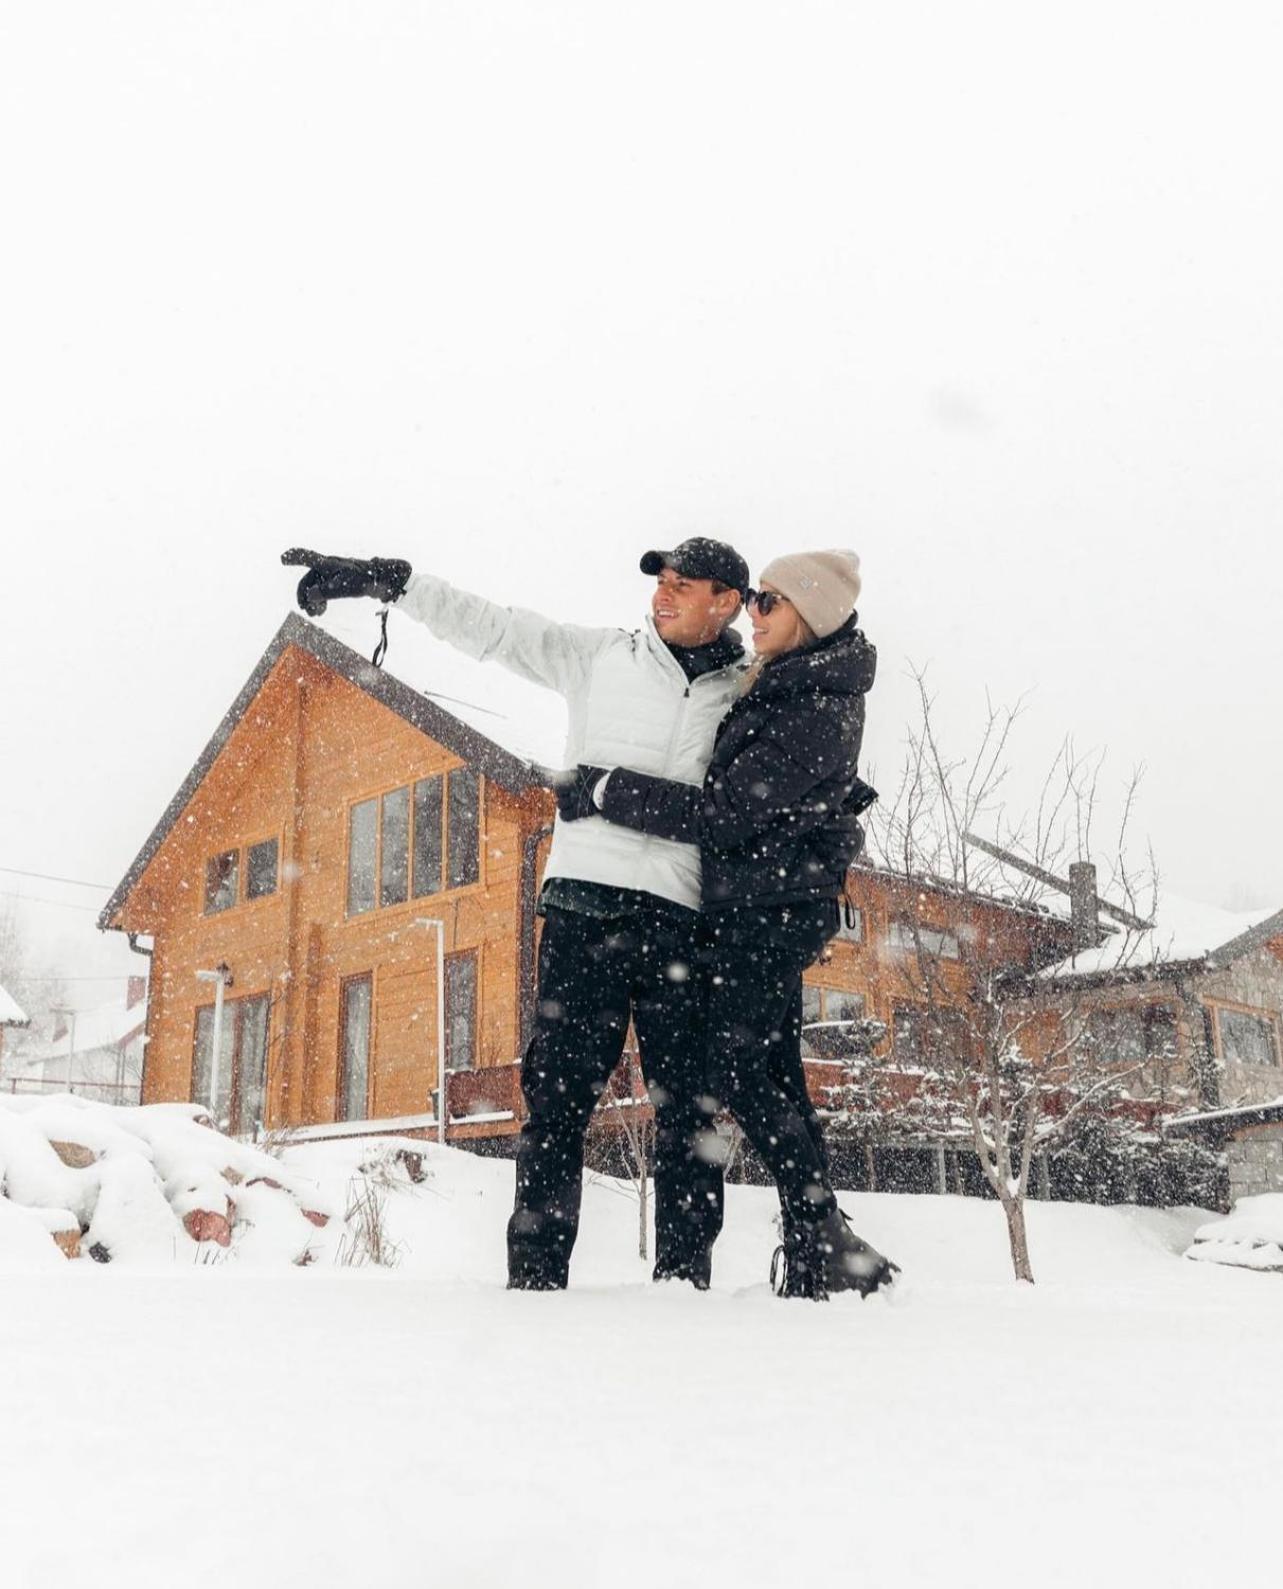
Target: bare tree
<point>987,1049</point>
<point>623,1131</point>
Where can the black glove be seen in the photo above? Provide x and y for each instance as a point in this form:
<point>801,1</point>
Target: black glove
<point>574,792</point>
<point>329,578</point>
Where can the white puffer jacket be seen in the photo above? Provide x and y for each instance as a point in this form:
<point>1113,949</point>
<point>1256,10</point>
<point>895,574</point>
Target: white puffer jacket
<point>630,706</point>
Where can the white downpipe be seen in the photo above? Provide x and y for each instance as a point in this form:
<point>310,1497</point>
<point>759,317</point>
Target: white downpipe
<point>443,1106</point>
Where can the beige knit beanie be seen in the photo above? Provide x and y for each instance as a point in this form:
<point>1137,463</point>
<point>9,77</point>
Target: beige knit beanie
<point>823,586</point>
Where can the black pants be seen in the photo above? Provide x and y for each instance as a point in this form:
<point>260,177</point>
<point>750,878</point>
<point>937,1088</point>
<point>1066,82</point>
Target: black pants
<point>593,973</point>
<point>755,961</point>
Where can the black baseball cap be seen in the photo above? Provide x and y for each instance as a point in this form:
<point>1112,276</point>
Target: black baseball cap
<point>700,558</point>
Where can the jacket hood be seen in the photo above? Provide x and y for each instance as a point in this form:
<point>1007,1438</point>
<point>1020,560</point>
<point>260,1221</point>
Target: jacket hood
<point>845,663</point>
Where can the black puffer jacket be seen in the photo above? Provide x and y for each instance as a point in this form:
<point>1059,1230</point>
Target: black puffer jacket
<point>777,817</point>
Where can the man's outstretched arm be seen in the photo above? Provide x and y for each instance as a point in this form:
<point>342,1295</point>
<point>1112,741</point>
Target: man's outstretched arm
<point>557,655</point>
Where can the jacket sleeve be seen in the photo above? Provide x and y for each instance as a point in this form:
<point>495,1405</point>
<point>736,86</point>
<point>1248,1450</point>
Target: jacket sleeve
<point>558,655</point>
<point>769,781</point>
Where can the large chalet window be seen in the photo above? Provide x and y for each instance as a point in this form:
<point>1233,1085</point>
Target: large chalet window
<point>1247,1039</point>
<point>415,841</point>
<point>354,1048</point>
<point>234,1086</point>
<point>461,1010</point>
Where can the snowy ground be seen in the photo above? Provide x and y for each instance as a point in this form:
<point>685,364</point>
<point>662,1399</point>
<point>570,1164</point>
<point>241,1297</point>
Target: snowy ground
<point>226,1424</point>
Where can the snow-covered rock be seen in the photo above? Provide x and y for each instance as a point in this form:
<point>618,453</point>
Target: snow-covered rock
<point>153,1184</point>
<point>1250,1237</point>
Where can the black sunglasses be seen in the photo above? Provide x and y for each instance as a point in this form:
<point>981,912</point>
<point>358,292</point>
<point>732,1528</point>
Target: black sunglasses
<point>766,601</point>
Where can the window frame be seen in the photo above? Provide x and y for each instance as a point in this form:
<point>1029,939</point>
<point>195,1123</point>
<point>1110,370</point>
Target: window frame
<point>1267,1019</point>
<point>821,991</point>
<point>241,852</point>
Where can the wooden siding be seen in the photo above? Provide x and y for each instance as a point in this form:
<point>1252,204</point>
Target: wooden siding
<point>310,746</point>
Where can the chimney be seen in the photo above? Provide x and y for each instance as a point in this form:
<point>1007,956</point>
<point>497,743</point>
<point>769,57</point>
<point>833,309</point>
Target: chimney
<point>1082,905</point>
<point>135,991</point>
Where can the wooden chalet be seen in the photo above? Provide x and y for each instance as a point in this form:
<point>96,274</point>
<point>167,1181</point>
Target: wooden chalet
<point>1197,1000</point>
<point>333,816</point>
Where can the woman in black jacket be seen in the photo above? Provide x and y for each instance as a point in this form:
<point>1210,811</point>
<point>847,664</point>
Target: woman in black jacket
<point>777,825</point>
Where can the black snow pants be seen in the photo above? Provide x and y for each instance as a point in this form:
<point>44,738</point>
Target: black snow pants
<point>594,973</point>
<point>754,965</point>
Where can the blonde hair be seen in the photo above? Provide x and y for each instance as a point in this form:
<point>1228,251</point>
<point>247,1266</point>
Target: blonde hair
<point>803,636</point>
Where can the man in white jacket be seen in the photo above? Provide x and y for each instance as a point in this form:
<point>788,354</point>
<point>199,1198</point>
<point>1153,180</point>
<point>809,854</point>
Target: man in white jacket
<point>621,910</point>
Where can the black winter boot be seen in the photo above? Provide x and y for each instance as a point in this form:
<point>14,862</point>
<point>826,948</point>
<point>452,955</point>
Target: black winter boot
<point>698,1270</point>
<point>816,1260</point>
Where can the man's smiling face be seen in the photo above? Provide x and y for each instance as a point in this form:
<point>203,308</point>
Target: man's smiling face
<point>691,612</point>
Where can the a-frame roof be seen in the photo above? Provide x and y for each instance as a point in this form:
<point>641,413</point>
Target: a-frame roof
<point>433,721</point>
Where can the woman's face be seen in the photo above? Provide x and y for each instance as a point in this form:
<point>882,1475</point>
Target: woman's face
<point>776,631</point>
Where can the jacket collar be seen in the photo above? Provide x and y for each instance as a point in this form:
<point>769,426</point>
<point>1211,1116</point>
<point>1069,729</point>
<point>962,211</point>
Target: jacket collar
<point>692,662</point>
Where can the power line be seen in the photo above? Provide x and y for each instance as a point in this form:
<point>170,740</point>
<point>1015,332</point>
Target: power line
<point>45,877</point>
<point>61,904</point>
<point>54,976</point>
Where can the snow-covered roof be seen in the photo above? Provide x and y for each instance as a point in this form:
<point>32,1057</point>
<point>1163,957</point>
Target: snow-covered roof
<point>11,1012</point>
<point>1183,930</point>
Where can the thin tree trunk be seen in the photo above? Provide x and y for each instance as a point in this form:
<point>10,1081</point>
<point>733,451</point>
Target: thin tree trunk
<point>643,1203</point>
<point>871,1165</point>
<point>1014,1209</point>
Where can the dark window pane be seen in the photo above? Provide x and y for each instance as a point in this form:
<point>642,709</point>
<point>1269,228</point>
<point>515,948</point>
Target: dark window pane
<point>460,1011</point>
<point>220,881</point>
<point>251,1061</point>
<point>354,1079</point>
<point>463,815</point>
<point>394,866</point>
<point>260,869</point>
<point>362,829</point>
<point>427,837</point>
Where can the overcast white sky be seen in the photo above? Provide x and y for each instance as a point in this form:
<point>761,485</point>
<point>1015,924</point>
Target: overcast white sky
<point>988,292</point>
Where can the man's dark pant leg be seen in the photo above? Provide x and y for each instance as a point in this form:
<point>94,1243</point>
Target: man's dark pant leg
<point>669,1012</point>
<point>580,1023</point>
